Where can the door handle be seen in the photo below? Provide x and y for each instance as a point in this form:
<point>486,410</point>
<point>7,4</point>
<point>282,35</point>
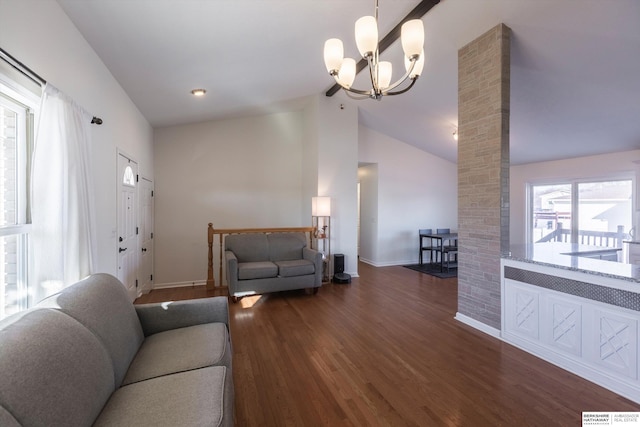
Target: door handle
<point>121,249</point>
<point>144,249</point>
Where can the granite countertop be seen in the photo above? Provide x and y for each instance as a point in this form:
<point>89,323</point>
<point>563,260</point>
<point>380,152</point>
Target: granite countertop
<point>572,256</point>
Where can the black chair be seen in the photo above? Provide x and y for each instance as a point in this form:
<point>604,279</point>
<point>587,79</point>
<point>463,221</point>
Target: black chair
<point>448,249</point>
<point>425,246</point>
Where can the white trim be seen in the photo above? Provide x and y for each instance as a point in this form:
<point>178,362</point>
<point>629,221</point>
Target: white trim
<point>18,92</point>
<point>12,230</point>
<point>610,382</point>
<point>179,284</point>
<point>482,327</point>
<point>389,263</point>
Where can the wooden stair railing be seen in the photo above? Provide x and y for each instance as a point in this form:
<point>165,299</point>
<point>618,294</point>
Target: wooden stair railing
<point>222,232</point>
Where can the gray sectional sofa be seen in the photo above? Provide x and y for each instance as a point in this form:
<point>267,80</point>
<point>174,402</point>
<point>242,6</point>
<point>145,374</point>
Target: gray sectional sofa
<point>87,356</point>
<point>258,263</point>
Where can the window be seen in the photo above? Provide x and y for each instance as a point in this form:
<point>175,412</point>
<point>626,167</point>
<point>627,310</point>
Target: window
<point>597,213</point>
<point>16,143</point>
<point>128,178</point>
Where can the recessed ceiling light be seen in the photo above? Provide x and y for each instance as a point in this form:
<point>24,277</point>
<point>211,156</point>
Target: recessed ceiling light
<point>198,92</point>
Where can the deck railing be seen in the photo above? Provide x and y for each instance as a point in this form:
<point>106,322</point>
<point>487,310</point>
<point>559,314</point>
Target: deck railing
<point>609,239</point>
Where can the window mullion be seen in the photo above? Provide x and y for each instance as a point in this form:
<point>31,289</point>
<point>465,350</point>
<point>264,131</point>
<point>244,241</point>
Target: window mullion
<point>575,213</point>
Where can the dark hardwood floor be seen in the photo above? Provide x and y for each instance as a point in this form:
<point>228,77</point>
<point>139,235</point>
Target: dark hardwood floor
<point>387,351</point>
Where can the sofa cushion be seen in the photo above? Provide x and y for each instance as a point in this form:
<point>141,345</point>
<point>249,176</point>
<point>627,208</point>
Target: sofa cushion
<point>181,350</point>
<point>286,246</point>
<point>6,419</point>
<point>256,270</point>
<point>297,267</point>
<point>203,397</point>
<point>53,370</point>
<point>164,316</point>
<point>101,303</point>
<point>249,247</point>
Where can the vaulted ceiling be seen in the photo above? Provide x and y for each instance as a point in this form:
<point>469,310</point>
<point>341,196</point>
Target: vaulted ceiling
<point>575,80</point>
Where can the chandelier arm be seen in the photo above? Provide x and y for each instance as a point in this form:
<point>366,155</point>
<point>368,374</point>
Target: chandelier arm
<point>401,80</point>
<point>358,91</point>
<point>399,92</point>
<point>373,73</point>
<point>357,98</point>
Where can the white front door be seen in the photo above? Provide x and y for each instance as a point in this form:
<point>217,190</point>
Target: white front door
<point>146,234</point>
<point>127,224</point>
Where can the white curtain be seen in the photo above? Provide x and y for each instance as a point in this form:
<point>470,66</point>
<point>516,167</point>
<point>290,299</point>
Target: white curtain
<point>62,245</point>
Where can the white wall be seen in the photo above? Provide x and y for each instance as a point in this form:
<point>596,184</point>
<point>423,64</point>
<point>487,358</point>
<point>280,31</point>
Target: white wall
<point>338,174</point>
<point>237,173</point>
<point>592,167</point>
<point>39,34</point>
<point>259,171</point>
<point>415,190</point>
<point>309,157</point>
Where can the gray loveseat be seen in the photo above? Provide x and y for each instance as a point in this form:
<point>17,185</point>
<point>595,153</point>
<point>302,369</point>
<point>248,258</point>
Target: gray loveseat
<point>258,263</point>
<point>87,356</point>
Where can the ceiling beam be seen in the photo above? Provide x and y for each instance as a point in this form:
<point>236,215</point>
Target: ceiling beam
<point>418,12</point>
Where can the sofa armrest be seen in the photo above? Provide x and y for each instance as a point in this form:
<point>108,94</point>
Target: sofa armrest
<point>231,262</point>
<point>164,316</point>
<point>316,258</point>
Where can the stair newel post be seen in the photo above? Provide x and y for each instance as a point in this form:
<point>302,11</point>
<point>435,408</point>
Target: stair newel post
<point>211,283</point>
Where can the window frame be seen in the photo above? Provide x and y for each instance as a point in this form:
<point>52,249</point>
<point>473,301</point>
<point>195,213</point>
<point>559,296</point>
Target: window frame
<point>15,95</point>
<point>575,201</point>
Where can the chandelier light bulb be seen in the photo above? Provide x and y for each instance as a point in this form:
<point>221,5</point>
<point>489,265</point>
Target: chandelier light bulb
<point>366,35</point>
<point>347,73</point>
<point>412,35</point>
<point>385,69</point>
<point>333,55</point>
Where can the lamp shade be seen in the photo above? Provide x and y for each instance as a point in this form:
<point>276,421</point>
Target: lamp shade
<point>384,74</point>
<point>412,35</point>
<point>333,54</point>
<point>321,206</point>
<point>366,35</point>
<point>347,73</point>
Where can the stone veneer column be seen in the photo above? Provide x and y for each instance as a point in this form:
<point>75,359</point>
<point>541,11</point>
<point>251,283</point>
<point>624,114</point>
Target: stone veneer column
<point>483,172</point>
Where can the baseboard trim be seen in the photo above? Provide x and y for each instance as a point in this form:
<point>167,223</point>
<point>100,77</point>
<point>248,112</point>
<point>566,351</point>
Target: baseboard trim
<point>482,327</point>
<point>387,264</point>
<point>611,381</point>
<point>179,284</point>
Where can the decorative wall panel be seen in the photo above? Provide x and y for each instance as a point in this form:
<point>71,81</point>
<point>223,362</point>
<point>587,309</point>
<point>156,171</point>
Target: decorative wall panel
<point>522,317</point>
<point>564,325</point>
<point>618,344</point>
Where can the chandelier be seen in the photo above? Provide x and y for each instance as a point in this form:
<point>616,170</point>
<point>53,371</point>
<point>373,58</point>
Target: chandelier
<point>343,69</point>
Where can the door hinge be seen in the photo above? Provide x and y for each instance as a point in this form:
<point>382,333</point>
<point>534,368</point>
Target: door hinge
<point>137,178</point>
<point>136,283</point>
<point>136,230</point>
<point>151,193</point>
<point>152,235</point>
<point>152,277</point>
